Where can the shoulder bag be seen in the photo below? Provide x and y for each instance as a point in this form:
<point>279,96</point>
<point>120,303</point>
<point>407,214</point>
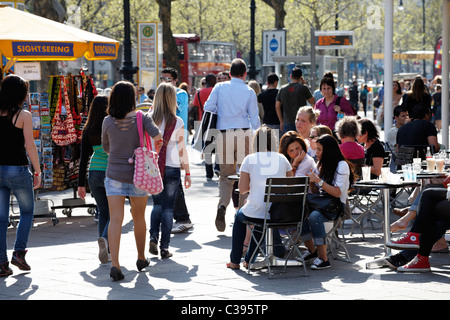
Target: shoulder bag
<point>146,171</point>
<point>326,204</point>
<point>63,132</point>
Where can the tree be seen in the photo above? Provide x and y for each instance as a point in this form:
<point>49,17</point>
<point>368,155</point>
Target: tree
<point>169,45</point>
<point>280,13</point>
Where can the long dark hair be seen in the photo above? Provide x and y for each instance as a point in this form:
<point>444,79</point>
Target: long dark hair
<point>13,92</point>
<point>331,156</point>
<point>97,113</point>
<point>122,99</point>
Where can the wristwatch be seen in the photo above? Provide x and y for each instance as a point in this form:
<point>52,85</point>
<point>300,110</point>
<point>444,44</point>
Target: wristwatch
<point>320,183</point>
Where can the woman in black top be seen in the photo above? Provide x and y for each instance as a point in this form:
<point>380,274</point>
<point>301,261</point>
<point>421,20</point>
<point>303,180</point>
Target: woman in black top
<point>17,131</point>
<point>418,94</point>
<point>374,149</point>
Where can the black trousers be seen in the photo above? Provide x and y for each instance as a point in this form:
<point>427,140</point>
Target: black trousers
<point>433,213</point>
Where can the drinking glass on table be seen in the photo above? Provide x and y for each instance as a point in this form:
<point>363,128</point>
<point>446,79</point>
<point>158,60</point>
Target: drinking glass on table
<point>431,164</point>
<point>365,173</point>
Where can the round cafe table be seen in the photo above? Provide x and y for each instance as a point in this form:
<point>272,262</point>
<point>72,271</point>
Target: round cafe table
<point>385,188</point>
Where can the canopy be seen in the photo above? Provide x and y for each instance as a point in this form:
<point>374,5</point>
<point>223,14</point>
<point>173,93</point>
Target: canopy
<point>28,37</point>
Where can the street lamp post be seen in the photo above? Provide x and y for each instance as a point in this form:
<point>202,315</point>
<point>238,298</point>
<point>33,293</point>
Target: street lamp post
<point>127,69</point>
<point>423,37</point>
<point>252,67</point>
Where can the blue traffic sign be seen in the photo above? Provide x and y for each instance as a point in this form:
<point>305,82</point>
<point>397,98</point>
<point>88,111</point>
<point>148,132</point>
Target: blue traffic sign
<point>273,45</point>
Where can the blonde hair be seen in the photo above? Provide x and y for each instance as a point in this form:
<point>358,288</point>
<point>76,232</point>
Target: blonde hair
<point>255,86</point>
<point>312,113</point>
<point>164,103</point>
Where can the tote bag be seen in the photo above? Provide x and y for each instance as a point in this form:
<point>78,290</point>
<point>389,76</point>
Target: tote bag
<point>146,176</point>
<point>203,137</point>
<point>63,132</point>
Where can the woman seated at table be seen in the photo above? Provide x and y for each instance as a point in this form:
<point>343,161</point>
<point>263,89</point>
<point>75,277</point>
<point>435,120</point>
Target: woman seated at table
<point>347,130</point>
<point>334,177</point>
<point>316,132</point>
<point>374,149</point>
<point>304,122</point>
<point>293,147</point>
<point>254,171</point>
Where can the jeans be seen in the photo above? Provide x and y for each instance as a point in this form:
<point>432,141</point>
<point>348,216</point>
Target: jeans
<point>314,225</point>
<point>96,180</point>
<point>19,181</point>
<point>238,237</point>
<point>162,214</point>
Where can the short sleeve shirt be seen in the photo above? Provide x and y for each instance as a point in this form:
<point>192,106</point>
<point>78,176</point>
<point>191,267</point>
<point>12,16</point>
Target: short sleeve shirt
<point>292,96</point>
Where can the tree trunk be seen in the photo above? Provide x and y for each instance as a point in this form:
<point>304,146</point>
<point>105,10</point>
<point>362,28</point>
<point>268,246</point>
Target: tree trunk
<point>54,11</point>
<point>280,13</point>
<point>169,45</point>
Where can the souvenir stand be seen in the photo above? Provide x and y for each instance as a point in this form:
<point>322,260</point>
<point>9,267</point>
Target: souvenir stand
<point>41,39</point>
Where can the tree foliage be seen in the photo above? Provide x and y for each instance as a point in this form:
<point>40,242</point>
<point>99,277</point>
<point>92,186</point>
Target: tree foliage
<point>229,20</point>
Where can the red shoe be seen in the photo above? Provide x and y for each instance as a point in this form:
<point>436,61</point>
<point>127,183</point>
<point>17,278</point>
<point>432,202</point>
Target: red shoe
<point>408,241</point>
<point>418,264</point>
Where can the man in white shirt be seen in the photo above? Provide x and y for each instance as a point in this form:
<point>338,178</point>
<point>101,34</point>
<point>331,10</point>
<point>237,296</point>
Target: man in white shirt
<point>237,111</point>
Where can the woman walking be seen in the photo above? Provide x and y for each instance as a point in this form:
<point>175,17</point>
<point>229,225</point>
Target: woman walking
<point>17,131</point>
<point>91,146</point>
<point>120,137</point>
<point>172,156</point>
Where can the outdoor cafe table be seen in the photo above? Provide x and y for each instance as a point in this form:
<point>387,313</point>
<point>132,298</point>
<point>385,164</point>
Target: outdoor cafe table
<point>385,188</point>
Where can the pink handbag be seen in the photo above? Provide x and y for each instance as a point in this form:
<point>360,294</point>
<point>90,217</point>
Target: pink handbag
<point>146,171</point>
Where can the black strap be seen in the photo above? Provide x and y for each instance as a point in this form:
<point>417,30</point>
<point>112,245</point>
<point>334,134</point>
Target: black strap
<point>338,101</point>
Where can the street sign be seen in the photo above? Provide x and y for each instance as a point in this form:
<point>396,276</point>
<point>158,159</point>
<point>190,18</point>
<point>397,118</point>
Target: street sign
<point>274,45</point>
<point>334,40</point>
<point>149,54</point>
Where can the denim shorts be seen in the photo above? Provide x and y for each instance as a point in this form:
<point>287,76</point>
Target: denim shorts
<point>117,188</point>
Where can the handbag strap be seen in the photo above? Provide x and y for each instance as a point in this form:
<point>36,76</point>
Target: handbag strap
<point>66,99</point>
<point>168,130</point>
<point>140,126</point>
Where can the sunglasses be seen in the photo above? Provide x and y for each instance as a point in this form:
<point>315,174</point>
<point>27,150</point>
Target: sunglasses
<point>166,79</point>
<point>313,137</point>
<point>203,83</point>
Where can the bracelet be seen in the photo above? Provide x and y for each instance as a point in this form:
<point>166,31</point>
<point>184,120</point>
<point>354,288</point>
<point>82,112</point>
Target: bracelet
<point>37,174</point>
<point>187,174</point>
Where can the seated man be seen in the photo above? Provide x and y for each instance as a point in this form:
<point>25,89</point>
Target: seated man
<point>420,131</point>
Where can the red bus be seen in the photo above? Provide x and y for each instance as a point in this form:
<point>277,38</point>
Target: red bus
<point>200,57</point>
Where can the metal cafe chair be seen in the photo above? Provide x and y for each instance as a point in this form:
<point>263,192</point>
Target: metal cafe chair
<point>290,194</point>
<point>366,201</point>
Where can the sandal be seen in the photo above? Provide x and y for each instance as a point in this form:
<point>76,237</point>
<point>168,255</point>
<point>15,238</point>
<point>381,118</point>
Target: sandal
<point>232,265</point>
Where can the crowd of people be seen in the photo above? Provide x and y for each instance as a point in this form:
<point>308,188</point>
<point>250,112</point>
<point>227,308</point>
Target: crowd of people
<point>323,139</point>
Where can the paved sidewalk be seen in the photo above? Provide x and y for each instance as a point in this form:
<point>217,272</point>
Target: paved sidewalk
<point>65,265</point>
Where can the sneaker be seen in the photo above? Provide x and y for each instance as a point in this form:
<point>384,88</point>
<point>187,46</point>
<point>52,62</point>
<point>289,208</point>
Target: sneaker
<point>18,259</point>
<point>5,270</point>
<point>408,241</point>
<point>418,264</point>
<point>319,264</point>
<point>180,227</point>
<point>308,255</point>
<point>165,254</point>
<point>103,255</point>
<point>396,261</point>
<point>220,219</point>
<point>153,247</point>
